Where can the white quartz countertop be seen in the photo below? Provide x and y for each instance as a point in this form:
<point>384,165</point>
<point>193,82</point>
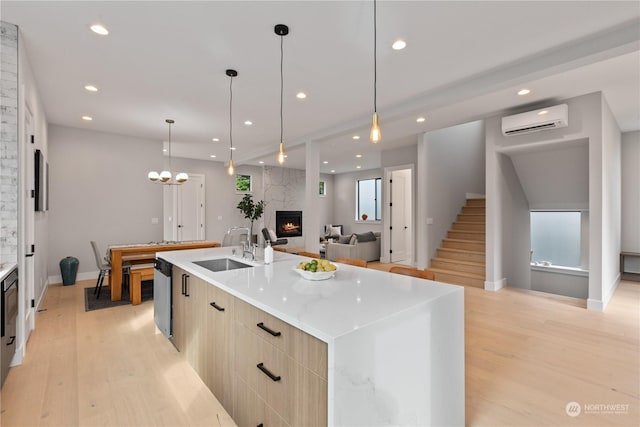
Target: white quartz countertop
<point>6,268</point>
<point>354,298</point>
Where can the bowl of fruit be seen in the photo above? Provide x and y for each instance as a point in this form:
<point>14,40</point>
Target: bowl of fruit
<point>316,269</point>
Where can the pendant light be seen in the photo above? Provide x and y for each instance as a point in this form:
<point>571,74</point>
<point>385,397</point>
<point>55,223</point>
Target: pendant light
<point>231,73</point>
<point>165,176</point>
<point>281,30</point>
<point>375,134</point>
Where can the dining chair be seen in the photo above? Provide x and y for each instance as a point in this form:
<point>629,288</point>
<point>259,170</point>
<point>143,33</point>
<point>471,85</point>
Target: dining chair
<point>351,261</point>
<point>309,254</point>
<point>414,272</point>
<point>103,266</point>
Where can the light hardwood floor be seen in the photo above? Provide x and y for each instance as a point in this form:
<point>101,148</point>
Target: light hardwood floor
<point>527,356</point>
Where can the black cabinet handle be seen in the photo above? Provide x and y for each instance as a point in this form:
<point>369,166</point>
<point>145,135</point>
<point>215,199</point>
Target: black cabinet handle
<point>182,292</point>
<point>267,373</point>
<point>266,329</point>
<point>259,425</point>
<point>28,255</point>
<point>216,306</point>
<point>13,338</point>
<point>186,285</point>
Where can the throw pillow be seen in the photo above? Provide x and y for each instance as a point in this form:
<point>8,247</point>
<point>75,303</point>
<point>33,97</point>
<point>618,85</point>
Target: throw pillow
<point>273,236</point>
<point>366,237</point>
<point>353,239</point>
<point>334,232</point>
<point>344,239</point>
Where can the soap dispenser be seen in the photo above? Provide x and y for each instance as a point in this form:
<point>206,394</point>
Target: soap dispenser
<point>268,253</point>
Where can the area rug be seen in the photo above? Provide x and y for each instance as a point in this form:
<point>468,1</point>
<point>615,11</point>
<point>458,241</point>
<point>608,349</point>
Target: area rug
<point>91,303</point>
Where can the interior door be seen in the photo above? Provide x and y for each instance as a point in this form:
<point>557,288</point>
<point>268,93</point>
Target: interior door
<point>398,218</point>
<point>27,282</point>
<point>190,212</point>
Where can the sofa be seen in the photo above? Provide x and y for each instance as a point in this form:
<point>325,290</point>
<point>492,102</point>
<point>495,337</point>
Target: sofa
<point>365,246</point>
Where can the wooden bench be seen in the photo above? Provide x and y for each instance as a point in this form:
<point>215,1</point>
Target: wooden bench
<point>137,276</point>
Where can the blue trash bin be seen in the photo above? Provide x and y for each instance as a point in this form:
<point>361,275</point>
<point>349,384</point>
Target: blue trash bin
<point>69,270</point>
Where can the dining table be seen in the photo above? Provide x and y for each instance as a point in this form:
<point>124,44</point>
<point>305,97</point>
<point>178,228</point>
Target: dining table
<point>144,253</point>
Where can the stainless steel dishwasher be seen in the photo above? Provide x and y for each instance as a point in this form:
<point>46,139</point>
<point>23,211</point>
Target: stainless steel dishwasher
<point>9,288</point>
<point>162,295</point>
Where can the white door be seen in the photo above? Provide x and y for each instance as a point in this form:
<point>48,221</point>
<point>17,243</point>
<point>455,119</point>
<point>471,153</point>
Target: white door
<point>190,217</point>
<point>27,275</point>
<point>184,210</point>
<point>400,196</point>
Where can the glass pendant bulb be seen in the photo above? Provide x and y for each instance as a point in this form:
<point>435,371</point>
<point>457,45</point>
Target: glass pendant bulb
<point>182,177</point>
<point>230,170</point>
<point>153,176</point>
<point>375,135</point>
<point>281,153</point>
<point>165,176</point>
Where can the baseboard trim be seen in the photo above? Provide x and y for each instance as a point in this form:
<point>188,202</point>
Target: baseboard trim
<point>56,280</point>
<point>495,286</point>
<point>597,305</point>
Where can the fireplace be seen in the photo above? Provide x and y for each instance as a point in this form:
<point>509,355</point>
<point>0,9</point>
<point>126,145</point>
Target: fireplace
<point>288,223</point>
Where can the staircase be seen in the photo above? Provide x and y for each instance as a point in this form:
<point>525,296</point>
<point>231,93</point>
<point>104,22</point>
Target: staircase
<point>461,259</point>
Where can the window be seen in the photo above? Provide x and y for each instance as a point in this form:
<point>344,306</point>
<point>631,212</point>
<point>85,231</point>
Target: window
<point>556,238</point>
<point>369,200</point>
<point>243,183</point>
<point>323,188</point>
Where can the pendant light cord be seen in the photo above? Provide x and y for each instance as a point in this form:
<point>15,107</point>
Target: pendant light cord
<point>375,58</point>
<point>281,86</point>
<point>170,147</point>
<point>230,117</point>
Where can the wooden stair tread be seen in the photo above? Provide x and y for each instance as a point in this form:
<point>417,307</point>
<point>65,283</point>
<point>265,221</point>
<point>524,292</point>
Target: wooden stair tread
<point>456,273</point>
<point>455,261</point>
<point>464,241</point>
<point>462,251</point>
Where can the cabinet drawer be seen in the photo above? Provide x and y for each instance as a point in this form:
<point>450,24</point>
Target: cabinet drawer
<point>305,349</point>
<point>273,330</point>
<point>250,410</point>
<point>272,381</point>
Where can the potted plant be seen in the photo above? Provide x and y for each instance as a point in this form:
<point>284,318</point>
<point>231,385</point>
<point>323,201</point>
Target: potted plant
<point>251,210</point>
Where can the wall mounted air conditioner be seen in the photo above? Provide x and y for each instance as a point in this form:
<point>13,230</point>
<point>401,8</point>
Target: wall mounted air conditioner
<point>533,121</point>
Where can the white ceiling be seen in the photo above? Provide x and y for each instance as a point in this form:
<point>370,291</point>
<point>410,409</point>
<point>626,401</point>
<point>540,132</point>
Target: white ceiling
<point>463,61</point>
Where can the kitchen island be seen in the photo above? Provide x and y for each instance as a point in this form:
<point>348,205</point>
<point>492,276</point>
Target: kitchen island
<point>363,348</point>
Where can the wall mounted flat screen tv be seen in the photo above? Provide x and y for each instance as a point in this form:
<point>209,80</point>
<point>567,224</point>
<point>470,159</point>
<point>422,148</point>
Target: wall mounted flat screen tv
<point>41,183</point>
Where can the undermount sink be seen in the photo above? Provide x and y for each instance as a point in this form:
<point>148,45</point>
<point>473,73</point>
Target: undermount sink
<point>222,264</point>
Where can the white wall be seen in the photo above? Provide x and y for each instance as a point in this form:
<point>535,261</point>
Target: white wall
<point>100,191</point>
<point>631,192</point>
<point>455,166</point>
<point>344,202</point>
<point>590,118</point>
<point>611,203</point>
<point>221,198</point>
<point>554,281</point>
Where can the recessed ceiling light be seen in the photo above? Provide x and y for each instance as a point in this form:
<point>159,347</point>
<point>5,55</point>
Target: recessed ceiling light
<point>213,156</point>
<point>232,148</point>
<point>420,119</point>
<point>399,45</point>
<point>333,171</point>
<point>355,137</point>
<point>215,139</point>
<point>358,155</point>
<point>248,122</point>
<point>325,162</point>
<point>87,118</point>
<point>164,150</point>
<point>358,167</point>
<point>91,88</point>
<point>285,156</point>
<point>524,92</point>
<point>99,29</point>
<point>261,162</point>
<point>301,95</point>
<point>543,112</point>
